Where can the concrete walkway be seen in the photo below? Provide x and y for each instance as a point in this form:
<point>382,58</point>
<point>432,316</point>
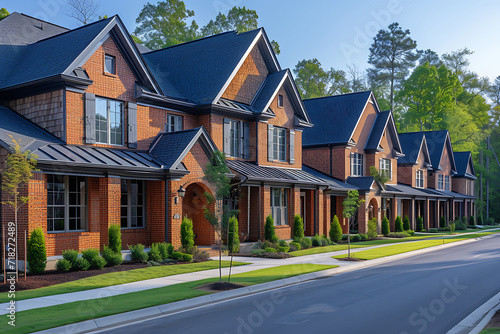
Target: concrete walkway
<point>254,264</point>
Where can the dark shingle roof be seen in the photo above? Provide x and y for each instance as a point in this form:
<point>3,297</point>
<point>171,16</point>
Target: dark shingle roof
<point>28,135</point>
<point>268,88</point>
<point>333,183</point>
<point>411,143</point>
<point>377,130</point>
<point>403,190</point>
<point>198,70</point>
<point>334,118</point>
<point>255,172</point>
<point>361,182</point>
<point>48,57</point>
<point>462,162</point>
<point>169,146</point>
<point>435,143</point>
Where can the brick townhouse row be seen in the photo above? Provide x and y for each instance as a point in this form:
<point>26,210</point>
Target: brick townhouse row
<point>123,134</point>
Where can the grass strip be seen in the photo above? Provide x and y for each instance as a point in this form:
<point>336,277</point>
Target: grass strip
<point>59,315</point>
<point>404,248</point>
<point>116,278</point>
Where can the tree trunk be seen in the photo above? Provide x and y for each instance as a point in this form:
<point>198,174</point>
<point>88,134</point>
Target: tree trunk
<point>349,239</point>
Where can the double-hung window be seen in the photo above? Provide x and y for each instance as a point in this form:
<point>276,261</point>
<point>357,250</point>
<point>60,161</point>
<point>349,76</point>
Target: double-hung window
<point>133,205</point>
<point>236,138</point>
<point>440,182</point>
<point>279,208</point>
<point>110,64</point>
<point>279,144</point>
<point>419,179</point>
<point>446,182</point>
<point>109,121</point>
<point>174,123</point>
<point>66,203</point>
<point>385,168</point>
<point>356,164</point>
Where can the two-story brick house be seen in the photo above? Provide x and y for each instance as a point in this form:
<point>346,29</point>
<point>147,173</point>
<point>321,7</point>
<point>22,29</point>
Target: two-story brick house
<point>463,183</point>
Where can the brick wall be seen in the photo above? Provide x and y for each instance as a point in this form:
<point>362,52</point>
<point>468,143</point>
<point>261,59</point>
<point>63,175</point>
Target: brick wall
<point>46,110</point>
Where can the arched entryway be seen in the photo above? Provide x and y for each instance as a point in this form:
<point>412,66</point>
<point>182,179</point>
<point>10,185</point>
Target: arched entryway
<point>192,207</point>
<point>373,209</point>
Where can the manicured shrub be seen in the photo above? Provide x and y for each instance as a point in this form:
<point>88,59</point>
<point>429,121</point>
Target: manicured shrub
<point>355,237</point>
<point>37,255</point>
<point>81,264</point>
<point>63,265</point>
<point>443,229</point>
<point>154,253</point>
<point>363,237</point>
<point>410,232</point>
<point>442,222</point>
<point>298,227</point>
<point>385,226</point>
<point>372,228</point>
<point>137,253</point>
<point>283,246</point>
<point>464,220</point>
<point>257,252</point>
<point>115,238</point>
<point>420,224</point>
<point>460,225</point>
<point>316,241</point>
<point>266,244</point>
<point>335,230</point>
<point>295,246</point>
<point>406,223</point>
<point>90,254</point>
<point>71,256</point>
<point>433,230</point>
<point>176,256</point>
<point>187,234</point>
<point>490,221</point>
<point>270,250</point>
<point>269,232</point>
<point>112,258</point>
<point>324,241</point>
<point>233,240</point>
<point>186,257</point>
<point>480,220</point>
<point>98,263</point>
<point>344,237</point>
<point>163,249</point>
<point>305,243</point>
<point>398,235</point>
<point>472,221</point>
<point>201,256</point>
<point>398,226</point>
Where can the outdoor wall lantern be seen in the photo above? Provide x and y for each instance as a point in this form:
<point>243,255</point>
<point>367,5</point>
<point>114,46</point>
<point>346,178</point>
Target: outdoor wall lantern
<point>181,192</point>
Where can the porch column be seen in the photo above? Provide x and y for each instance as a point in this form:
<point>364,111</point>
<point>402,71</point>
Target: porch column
<point>394,213</point>
<point>327,199</point>
<point>412,214</point>
<point>437,216</point>
<point>426,214</point>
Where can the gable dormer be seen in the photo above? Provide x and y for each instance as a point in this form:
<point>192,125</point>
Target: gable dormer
<point>413,167</point>
<point>443,162</point>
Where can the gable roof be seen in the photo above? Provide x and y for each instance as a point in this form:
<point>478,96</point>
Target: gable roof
<point>199,70</point>
<point>66,52</point>
<point>462,161</point>
<point>335,118</point>
<point>364,183</point>
<point>412,144</point>
<point>384,120</point>
<point>171,147</point>
<point>334,184</point>
<point>436,142</point>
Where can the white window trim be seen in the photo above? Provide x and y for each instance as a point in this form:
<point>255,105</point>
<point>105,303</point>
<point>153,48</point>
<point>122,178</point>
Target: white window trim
<point>440,182</point>
<point>168,124</point>
<point>381,163</point>
<point>419,172</point>
<point>282,105</point>
<point>361,164</point>
<point>108,111</point>
<point>277,131</point>
<point>284,193</point>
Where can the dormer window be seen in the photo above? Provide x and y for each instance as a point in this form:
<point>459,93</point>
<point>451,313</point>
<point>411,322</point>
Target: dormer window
<point>419,178</point>
<point>385,168</point>
<point>110,64</point>
<point>280,101</point>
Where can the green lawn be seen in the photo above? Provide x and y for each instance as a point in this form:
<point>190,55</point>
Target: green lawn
<point>403,248</point>
<point>101,281</point>
<point>492,330</point>
<point>54,316</point>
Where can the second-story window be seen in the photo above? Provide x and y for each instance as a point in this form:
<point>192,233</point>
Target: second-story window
<point>279,144</point>
<point>419,179</point>
<point>236,138</point>
<point>174,123</point>
<point>385,168</point>
<point>281,102</point>
<point>356,164</point>
<point>446,182</point>
<point>110,64</point>
<point>109,121</point>
<point>440,182</point>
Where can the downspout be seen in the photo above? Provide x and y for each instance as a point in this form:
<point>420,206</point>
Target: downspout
<point>167,186</point>
<point>248,211</point>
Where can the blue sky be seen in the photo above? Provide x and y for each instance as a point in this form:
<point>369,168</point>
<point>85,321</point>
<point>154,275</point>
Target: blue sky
<point>338,33</point>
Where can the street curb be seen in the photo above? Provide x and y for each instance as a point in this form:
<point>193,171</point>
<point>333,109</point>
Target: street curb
<point>165,309</point>
<point>478,319</point>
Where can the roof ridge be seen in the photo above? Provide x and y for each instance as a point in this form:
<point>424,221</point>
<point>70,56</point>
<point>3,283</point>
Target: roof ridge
<point>330,96</point>
<point>72,30</point>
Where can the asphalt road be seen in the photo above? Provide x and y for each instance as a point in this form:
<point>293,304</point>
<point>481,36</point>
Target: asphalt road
<point>428,293</point>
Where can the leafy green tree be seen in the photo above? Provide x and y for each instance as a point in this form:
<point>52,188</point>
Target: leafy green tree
<point>310,78</point>
<point>381,178</point>
<point>372,228</point>
<point>298,227</point>
<point>233,240</point>
<point>392,54</point>
<point>3,13</point>
<point>494,91</point>
<point>429,56</point>
<point>335,229</point>
<point>165,24</point>
<point>351,204</point>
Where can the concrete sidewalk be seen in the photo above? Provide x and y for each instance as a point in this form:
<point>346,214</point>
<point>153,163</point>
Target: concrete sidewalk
<point>255,264</point>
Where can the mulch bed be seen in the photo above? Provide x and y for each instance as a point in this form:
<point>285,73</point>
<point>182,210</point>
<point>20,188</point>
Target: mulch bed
<point>220,286</point>
<point>52,277</point>
<point>353,259</point>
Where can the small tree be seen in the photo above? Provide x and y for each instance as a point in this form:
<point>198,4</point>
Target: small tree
<point>215,174</point>
<point>37,255</point>
<point>385,226</point>
<point>351,204</point>
<point>187,234</point>
<point>298,227</point>
<point>381,178</point>
<point>335,229</point>
<point>420,224</point>
<point>442,222</point>
<point>472,221</point>
<point>398,225</point>
<point>406,223</point>
<point>372,228</point>
<point>233,240</point>
<point>269,231</point>
<point>115,238</point>
<point>452,228</point>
